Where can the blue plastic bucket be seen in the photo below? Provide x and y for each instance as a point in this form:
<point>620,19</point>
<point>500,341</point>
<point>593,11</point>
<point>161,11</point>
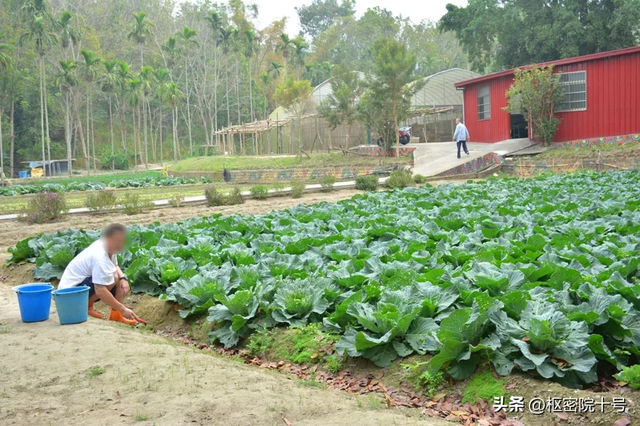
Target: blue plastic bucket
<point>72,304</point>
<point>34,301</point>
<point>23,174</point>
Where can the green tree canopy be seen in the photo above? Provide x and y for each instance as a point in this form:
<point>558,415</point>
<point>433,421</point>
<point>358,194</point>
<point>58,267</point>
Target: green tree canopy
<point>321,15</point>
<point>499,34</point>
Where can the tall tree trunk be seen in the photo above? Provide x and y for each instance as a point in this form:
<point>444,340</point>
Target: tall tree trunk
<point>93,138</point>
<point>395,121</point>
<point>139,136</point>
<point>12,137</point>
<point>67,132</point>
<point>80,133</point>
<point>146,141</point>
<point>253,118</point>
<point>113,148</point>
<point>1,145</point>
<point>161,137</point>
<point>238,90</point>
<point>134,116</point>
<point>123,128</point>
<point>175,133</point>
<point>42,134</point>
<point>186,67</point>
<point>227,94</point>
<point>88,118</point>
<point>46,114</point>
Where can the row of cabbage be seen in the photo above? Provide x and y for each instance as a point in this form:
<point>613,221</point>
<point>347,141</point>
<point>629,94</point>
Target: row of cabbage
<point>537,275</point>
<point>145,182</point>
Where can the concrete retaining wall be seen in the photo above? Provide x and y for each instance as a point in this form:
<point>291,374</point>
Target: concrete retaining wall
<point>286,175</point>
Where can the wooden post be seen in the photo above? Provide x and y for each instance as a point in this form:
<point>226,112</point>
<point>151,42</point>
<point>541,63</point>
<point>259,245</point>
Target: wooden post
<point>244,144</point>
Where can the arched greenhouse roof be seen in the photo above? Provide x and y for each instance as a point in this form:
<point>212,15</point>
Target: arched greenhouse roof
<point>440,89</point>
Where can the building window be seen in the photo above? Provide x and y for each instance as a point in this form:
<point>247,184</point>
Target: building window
<point>575,91</point>
<point>484,103</point>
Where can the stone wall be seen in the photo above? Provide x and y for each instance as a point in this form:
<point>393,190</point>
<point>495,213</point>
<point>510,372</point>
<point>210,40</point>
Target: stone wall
<point>474,166</point>
<point>568,165</point>
<point>286,175</point>
<point>611,140</point>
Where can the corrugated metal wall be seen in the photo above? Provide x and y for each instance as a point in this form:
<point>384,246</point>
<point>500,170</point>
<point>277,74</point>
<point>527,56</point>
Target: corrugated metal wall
<point>613,99</point>
<point>613,103</point>
<point>498,128</point>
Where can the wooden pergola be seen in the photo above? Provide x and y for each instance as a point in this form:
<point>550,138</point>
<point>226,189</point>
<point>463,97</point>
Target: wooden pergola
<point>226,137</point>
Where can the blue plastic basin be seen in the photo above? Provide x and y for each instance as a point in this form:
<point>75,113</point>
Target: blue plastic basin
<point>34,301</point>
<point>72,304</point>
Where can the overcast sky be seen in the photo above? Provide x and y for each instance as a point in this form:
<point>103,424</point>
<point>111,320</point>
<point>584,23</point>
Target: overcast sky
<point>417,10</point>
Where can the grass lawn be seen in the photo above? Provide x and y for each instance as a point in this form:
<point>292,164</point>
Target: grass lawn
<point>93,178</point>
<point>218,164</point>
<point>584,152</point>
<point>17,203</point>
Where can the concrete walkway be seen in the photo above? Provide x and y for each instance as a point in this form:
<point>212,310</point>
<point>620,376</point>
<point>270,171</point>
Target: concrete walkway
<point>435,158</point>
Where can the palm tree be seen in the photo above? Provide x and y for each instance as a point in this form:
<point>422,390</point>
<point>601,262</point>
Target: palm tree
<point>187,37</point>
<point>146,76</point>
<point>215,22</point>
<point>171,48</point>
<point>285,47</point>
<point>69,36</point>
<point>227,41</point>
<point>275,70</point>
<point>249,51</point>
<point>123,72</point>
<point>142,29</point>
<point>66,80</point>
<point>90,72</point>
<point>162,78</point>
<point>172,95</point>
<point>109,83</point>
<point>134,96</point>
<point>300,51</point>
<point>6,64</point>
<point>42,38</point>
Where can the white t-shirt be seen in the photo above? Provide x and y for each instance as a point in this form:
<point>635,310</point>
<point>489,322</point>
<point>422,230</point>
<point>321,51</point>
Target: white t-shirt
<point>93,262</point>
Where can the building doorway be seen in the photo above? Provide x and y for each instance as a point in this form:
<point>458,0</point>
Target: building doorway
<point>519,127</point>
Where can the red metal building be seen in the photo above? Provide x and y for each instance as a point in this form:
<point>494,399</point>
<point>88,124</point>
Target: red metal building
<point>602,99</point>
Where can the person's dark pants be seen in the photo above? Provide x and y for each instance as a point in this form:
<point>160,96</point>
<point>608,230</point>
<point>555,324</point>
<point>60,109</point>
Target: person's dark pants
<point>92,288</point>
<point>462,144</point>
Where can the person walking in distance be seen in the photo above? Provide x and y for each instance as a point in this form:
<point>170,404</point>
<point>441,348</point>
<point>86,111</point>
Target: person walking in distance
<point>461,136</point>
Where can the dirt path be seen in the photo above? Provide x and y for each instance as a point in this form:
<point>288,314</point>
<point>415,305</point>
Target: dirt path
<point>100,373</point>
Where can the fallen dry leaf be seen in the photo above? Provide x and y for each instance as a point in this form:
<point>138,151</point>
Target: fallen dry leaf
<point>563,416</point>
<point>624,421</point>
<point>512,386</point>
<point>287,421</point>
<point>439,396</point>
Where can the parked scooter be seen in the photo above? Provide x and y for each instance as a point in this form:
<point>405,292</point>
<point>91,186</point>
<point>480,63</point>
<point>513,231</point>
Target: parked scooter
<point>405,136</point>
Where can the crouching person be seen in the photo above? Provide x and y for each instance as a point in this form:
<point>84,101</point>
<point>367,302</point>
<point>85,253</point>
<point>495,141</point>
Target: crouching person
<point>97,268</point>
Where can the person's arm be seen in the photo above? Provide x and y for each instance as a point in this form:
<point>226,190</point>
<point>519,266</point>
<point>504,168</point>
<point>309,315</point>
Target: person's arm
<point>455,134</point>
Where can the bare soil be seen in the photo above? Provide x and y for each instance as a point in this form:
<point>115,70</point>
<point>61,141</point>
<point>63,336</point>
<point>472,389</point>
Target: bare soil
<point>101,373</point>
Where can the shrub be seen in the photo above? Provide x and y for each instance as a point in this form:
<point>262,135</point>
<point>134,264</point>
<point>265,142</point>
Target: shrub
<point>101,201</point>
<point>297,188</point>
<point>176,201</point>
<point>327,183</point>
<point>277,186</point>
<point>45,207</point>
<point>132,204</point>
<point>400,179</point>
<point>419,179</point>
<point>260,192</point>
<point>214,197</point>
<point>235,197</point>
<point>120,161</point>
<point>367,183</point>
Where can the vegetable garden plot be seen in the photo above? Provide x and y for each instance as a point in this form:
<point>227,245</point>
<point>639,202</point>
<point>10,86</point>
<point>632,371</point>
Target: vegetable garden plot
<point>537,275</point>
<point>146,182</point>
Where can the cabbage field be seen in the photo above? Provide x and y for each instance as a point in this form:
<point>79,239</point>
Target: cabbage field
<point>536,275</point>
<point>146,182</point>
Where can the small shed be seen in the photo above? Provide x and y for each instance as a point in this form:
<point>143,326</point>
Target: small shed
<point>51,167</point>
